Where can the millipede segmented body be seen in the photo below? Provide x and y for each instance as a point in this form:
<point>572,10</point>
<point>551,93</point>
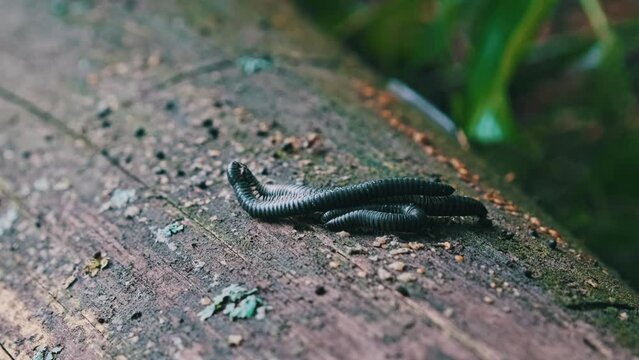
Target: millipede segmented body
<point>382,218</point>
<point>399,204</point>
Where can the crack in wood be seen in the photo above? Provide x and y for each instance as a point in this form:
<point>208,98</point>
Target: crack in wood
<point>4,349</point>
<point>191,73</point>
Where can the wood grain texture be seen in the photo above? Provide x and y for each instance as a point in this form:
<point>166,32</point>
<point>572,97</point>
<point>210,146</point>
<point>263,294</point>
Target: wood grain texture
<point>167,68</point>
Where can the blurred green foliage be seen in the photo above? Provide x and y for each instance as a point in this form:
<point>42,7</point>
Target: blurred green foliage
<point>546,89</point>
<point>503,31</point>
<point>463,54</point>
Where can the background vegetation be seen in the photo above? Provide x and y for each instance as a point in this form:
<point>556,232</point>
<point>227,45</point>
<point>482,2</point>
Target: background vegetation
<point>545,89</point>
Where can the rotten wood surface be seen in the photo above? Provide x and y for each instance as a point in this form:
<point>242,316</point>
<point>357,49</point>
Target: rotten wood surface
<point>151,96</point>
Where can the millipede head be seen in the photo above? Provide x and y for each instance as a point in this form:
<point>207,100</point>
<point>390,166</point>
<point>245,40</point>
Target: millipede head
<point>237,171</point>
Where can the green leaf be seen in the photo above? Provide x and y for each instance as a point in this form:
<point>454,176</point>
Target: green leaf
<point>505,30</point>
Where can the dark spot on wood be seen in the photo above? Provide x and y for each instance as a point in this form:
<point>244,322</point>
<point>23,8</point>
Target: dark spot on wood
<point>214,132</point>
<point>529,273</point>
<point>320,290</point>
<point>288,147</point>
<point>140,132</point>
<point>410,324</point>
<point>202,185</point>
<point>170,105</point>
<point>207,123</point>
<point>402,290</point>
<point>104,112</point>
<point>552,243</point>
<point>136,315</point>
<point>160,155</point>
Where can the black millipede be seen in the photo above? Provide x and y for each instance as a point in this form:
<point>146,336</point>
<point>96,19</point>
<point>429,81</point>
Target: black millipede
<point>400,204</point>
<point>431,206</point>
<point>380,218</point>
<point>260,202</point>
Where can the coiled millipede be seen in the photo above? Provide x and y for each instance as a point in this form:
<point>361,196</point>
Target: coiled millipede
<point>401,204</point>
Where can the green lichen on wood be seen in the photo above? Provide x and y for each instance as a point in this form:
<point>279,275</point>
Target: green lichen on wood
<point>7,219</point>
<point>251,64</point>
<point>235,301</point>
<point>44,353</point>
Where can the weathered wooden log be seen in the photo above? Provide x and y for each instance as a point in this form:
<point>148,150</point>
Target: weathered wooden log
<point>117,224</point>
